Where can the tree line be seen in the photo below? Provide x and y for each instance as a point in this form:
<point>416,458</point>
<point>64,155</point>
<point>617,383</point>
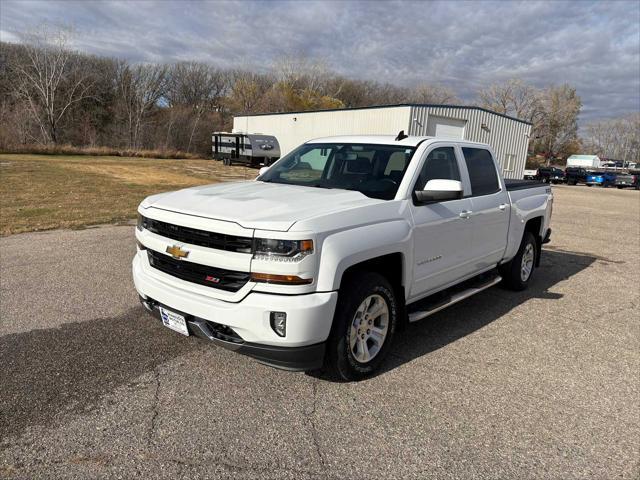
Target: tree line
<point>53,95</point>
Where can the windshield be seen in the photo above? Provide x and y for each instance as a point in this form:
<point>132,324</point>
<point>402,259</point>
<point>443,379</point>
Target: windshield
<point>374,170</point>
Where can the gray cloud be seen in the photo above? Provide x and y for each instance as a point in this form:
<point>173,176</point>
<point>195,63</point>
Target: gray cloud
<point>465,45</point>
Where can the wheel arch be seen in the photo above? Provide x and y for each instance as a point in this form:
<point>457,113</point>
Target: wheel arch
<point>391,266</point>
<point>534,225</point>
<point>377,246</point>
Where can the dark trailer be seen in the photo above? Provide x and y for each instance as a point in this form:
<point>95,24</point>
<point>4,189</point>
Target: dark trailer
<point>248,149</point>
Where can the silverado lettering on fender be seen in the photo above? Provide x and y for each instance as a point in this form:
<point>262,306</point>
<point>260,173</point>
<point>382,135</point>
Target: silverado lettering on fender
<point>320,259</point>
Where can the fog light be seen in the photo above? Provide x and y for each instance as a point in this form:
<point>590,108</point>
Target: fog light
<point>279,323</point>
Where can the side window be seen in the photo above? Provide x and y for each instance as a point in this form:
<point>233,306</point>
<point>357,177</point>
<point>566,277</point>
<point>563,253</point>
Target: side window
<point>440,164</point>
<point>482,171</point>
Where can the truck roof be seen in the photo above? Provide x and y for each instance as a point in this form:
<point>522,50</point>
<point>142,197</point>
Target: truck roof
<point>410,141</point>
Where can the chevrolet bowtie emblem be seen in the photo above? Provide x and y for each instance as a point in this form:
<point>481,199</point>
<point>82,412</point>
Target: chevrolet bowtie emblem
<point>177,252</point>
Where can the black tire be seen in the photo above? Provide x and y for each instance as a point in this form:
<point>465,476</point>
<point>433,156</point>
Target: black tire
<point>511,272</point>
<point>341,362</point>
<point>620,187</point>
<point>226,161</point>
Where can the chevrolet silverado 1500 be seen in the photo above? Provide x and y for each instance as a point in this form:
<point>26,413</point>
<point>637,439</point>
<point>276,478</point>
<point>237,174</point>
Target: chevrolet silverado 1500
<point>330,250</point>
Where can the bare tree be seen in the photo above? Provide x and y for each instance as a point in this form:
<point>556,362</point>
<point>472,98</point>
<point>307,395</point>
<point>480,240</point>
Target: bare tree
<point>140,88</point>
<point>434,94</point>
<point>616,138</point>
<point>247,90</point>
<point>300,73</point>
<point>198,88</point>
<point>51,80</point>
<point>515,98</point>
<point>558,129</point>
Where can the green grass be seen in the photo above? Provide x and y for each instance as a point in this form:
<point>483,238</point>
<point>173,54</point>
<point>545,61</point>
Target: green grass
<point>42,192</point>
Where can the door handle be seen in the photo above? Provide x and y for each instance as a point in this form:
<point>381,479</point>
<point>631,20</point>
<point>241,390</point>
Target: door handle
<point>465,214</point>
<point>502,206</point>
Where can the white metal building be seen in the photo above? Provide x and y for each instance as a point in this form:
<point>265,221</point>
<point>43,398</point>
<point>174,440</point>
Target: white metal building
<point>508,136</point>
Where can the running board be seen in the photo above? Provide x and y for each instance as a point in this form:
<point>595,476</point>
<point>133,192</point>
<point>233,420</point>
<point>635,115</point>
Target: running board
<point>455,298</point>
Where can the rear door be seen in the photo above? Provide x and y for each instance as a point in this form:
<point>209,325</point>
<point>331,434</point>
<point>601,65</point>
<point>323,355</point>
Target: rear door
<point>442,233</point>
<point>490,208</point>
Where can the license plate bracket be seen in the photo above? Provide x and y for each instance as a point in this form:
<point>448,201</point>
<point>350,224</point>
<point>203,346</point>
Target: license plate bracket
<point>174,321</point>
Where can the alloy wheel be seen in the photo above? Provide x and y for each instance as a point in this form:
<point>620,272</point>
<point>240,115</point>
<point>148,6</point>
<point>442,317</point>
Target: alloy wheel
<point>369,328</point>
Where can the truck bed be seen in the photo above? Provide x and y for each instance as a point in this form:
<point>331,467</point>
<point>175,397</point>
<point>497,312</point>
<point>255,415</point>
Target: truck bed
<point>513,184</point>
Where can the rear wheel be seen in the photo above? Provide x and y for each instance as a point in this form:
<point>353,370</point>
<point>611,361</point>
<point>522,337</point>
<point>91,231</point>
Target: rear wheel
<point>364,325</point>
<point>226,161</point>
<point>517,273</point>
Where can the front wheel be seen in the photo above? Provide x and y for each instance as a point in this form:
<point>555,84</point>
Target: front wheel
<point>364,325</point>
<point>517,273</point>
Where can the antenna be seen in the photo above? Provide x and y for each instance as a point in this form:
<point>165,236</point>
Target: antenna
<point>401,136</point>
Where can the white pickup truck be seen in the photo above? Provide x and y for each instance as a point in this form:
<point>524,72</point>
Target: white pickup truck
<point>330,250</point>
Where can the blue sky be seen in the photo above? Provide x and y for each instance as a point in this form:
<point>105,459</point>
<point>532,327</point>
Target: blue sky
<point>464,45</point>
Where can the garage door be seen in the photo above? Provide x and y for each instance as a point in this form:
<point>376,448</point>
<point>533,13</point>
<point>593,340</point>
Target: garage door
<point>444,127</point>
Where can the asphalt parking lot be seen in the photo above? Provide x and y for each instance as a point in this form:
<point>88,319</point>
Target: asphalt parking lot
<point>539,384</point>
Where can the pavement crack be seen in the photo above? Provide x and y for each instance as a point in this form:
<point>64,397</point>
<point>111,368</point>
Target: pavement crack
<point>310,418</point>
<point>154,407</point>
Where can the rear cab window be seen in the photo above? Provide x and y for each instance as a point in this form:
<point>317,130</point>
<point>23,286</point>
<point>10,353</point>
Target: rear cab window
<point>482,171</point>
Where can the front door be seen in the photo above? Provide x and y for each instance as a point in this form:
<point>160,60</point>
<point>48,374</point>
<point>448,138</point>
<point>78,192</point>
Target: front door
<point>442,232</point>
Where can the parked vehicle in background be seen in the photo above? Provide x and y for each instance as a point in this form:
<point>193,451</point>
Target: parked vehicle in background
<point>628,180</point>
<point>603,179</point>
<point>585,161</point>
<point>575,175</point>
<point>530,174</point>
<point>550,175</point>
<point>246,149</point>
<point>321,258</point>
<point>609,179</point>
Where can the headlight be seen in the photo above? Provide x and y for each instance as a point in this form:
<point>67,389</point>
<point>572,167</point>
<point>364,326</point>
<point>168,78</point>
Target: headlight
<point>140,225</point>
<point>281,250</point>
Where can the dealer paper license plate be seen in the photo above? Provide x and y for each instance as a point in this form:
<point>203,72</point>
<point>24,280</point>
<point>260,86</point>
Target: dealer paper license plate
<point>174,321</point>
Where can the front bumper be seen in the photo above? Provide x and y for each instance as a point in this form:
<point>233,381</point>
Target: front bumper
<point>309,357</point>
<point>309,318</point>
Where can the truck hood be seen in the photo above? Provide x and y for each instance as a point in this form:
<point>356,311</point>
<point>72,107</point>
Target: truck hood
<point>259,205</point>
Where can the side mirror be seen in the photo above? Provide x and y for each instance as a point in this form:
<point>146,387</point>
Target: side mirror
<point>439,191</point>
